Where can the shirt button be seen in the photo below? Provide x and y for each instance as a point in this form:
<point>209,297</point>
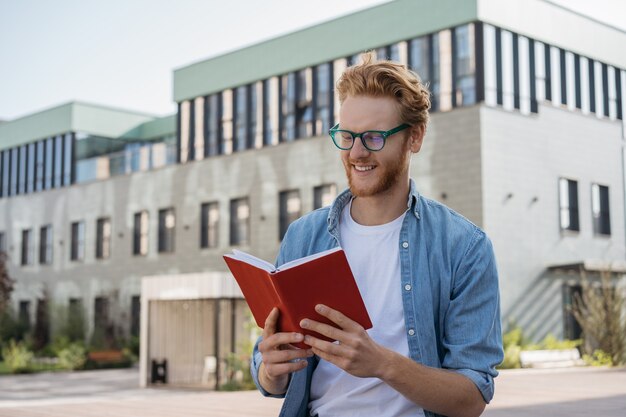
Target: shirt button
<point>405,245</point>
<point>407,287</point>
<point>411,332</point>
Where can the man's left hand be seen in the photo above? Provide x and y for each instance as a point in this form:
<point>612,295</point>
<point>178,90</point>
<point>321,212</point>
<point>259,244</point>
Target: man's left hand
<point>356,353</point>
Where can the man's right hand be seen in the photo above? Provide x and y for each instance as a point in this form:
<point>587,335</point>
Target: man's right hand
<point>280,358</point>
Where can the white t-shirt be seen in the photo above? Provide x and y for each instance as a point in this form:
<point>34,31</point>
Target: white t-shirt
<point>374,258</point>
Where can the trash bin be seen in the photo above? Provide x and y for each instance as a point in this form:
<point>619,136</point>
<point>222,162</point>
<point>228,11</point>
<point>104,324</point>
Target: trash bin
<point>159,371</point>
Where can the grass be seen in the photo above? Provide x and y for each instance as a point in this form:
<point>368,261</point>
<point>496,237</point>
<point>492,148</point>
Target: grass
<point>35,367</point>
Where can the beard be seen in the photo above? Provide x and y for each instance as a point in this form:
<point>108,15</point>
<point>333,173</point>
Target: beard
<point>387,178</point>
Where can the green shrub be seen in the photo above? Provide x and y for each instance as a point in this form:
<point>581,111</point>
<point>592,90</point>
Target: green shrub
<point>17,357</point>
<point>598,358</point>
<point>72,357</point>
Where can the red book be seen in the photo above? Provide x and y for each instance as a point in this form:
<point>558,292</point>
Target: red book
<point>297,287</point>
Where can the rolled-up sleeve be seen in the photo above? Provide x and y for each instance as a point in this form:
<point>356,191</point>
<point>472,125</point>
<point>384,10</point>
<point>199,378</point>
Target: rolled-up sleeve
<point>255,364</point>
<point>472,337</point>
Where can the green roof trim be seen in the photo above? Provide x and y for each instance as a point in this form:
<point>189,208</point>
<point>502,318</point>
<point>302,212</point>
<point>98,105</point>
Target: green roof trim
<point>71,117</point>
<point>398,20</point>
<point>164,126</point>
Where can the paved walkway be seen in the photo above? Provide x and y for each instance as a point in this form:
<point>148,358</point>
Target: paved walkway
<point>554,393</point>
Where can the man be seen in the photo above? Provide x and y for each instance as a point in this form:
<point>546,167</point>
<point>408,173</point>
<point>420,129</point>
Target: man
<point>427,276</point>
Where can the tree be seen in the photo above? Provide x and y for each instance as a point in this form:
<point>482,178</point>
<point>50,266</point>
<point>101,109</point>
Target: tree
<point>599,310</point>
<point>6,285</point>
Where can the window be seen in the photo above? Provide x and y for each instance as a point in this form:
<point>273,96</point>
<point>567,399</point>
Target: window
<point>183,115</point>
<point>304,107</point>
<point>140,233</point>
<point>290,209</point>
<point>323,195</point>
<point>465,66</point>
<point>434,72</point>
<point>209,227</point>
<point>27,247</point>
<point>3,242</point>
<point>270,111</point>
<point>58,161</point>
<point>49,165</point>
<point>324,87</point>
<point>21,184</point>
<point>241,118</point>
<point>135,314</point>
<point>77,252</point>
<point>256,115</point>
<point>67,159</point>
<point>419,57</point>
<point>197,128</point>
<point>212,114</point>
<point>6,158</point>
<point>227,122</point>
<point>39,167</point>
<point>239,221</point>
<point>568,202</point>
<point>76,320</point>
<point>167,227</point>
<point>600,209</point>
<point>288,107</point>
<point>14,166</point>
<point>103,238</point>
<point>45,245</point>
<point>24,314</point>
<point>30,170</point>
<point>101,326</point>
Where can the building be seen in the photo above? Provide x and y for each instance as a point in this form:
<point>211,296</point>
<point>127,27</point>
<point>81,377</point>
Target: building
<point>526,139</point>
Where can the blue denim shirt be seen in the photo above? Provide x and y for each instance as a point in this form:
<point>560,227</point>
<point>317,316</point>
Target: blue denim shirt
<point>449,286</point>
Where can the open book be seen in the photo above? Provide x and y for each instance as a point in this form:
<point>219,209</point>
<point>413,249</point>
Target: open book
<point>296,287</point>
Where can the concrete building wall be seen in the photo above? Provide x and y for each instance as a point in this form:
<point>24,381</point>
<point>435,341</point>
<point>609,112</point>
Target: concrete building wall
<point>523,159</point>
<point>449,163</point>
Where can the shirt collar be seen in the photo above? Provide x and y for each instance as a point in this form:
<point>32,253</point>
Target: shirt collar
<point>344,198</point>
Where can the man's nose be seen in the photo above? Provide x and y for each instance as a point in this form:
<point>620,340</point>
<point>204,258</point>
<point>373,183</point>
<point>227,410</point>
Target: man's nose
<point>358,149</point>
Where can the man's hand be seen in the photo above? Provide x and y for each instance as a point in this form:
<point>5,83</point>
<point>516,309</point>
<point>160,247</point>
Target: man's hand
<point>280,358</point>
<point>357,353</point>
<point>439,390</point>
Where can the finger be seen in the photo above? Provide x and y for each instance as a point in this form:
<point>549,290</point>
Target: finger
<point>282,356</point>
<point>276,340</point>
<point>324,329</point>
<point>338,318</point>
<point>319,345</point>
<point>270,323</point>
<point>276,370</point>
<point>328,357</point>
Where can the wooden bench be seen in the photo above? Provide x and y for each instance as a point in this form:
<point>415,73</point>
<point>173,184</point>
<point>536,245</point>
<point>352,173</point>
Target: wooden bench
<point>106,356</point>
<point>550,358</point>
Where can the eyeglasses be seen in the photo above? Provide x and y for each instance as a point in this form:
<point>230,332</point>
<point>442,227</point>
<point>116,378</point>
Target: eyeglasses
<point>372,140</point>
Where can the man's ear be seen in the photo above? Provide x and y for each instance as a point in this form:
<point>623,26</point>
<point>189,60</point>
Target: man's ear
<point>416,137</point>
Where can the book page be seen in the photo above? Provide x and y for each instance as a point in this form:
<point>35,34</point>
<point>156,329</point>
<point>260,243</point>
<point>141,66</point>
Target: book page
<point>306,259</point>
<point>252,260</point>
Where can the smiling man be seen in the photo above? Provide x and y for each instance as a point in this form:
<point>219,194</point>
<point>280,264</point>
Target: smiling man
<point>427,276</point>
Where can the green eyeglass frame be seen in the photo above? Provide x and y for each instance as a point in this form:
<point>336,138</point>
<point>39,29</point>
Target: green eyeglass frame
<point>372,140</point>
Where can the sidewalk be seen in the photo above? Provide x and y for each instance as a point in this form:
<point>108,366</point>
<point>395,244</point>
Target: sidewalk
<point>561,392</point>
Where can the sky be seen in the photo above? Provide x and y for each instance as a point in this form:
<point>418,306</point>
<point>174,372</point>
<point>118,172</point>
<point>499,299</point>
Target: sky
<point>122,53</point>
